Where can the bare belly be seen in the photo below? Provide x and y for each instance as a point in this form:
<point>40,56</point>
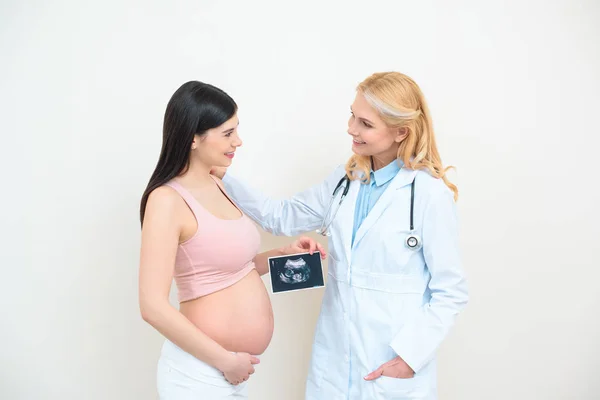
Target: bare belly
<point>239,318</point>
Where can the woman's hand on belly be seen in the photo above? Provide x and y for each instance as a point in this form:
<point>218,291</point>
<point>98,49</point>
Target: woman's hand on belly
<point>238,367</point>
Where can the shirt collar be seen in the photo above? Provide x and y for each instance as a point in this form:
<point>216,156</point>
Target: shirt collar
<point>387,173</point>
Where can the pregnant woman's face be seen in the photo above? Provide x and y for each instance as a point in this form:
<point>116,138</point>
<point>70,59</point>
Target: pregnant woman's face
<point>295,271</point>
<point>217,146</point>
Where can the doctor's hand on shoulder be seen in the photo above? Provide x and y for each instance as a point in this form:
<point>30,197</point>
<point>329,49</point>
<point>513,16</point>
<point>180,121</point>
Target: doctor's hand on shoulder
<point>396,368</point>
<point>304,245</point>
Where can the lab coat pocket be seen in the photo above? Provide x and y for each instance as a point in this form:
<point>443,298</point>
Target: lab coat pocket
<point>385,252</point>
<point>399,284</point>
<point>395,242</point>
<point>384,303</point>
<point>400,388</point>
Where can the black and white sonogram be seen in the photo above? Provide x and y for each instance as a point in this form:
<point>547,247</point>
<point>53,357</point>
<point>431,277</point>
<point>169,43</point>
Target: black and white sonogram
<point>295,272</point>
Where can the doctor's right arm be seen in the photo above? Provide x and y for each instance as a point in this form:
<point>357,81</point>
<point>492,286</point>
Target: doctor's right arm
<point>301,213</point>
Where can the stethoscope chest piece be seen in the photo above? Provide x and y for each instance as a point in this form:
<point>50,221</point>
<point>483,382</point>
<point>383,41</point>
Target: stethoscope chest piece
<point>413,242</point>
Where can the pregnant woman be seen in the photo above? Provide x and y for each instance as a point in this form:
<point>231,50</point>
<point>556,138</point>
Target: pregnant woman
<point>193,232</point>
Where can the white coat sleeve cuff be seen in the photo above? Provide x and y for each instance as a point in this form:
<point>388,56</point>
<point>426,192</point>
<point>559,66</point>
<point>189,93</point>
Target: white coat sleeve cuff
<point>408,353</point>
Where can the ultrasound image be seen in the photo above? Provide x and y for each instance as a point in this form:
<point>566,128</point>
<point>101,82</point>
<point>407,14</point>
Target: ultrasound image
<point>295,271</point>
<point>300,271</point>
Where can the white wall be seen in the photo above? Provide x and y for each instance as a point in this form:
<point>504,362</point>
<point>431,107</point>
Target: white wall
<point>514,90</point>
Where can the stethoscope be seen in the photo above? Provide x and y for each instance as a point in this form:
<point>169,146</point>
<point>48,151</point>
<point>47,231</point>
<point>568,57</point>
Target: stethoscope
<point>413,241</point>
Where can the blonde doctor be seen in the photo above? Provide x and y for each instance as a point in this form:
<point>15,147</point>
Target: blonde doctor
<point>395,281</point>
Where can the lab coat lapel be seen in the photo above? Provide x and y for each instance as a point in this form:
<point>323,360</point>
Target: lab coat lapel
<point>403,177</point>
<point>346,217</point>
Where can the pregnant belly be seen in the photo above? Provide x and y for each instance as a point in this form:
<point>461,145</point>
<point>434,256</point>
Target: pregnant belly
<point>239,318</point>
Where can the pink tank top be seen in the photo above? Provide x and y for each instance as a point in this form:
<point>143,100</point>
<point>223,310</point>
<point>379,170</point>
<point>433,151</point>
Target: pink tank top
<point>220,253</point>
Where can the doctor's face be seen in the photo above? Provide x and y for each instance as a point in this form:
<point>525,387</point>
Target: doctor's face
<point>370,135</point>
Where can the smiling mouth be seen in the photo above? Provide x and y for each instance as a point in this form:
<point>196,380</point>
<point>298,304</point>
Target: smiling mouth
<point>358,142</point>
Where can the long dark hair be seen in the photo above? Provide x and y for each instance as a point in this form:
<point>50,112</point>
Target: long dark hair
<point>193,109</point>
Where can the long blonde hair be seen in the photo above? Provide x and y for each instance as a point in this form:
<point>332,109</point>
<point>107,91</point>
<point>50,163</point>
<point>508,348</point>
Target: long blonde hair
<point>401,104</point>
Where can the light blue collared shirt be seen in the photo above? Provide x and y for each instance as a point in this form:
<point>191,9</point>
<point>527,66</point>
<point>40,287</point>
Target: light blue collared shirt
<point>370,192</point>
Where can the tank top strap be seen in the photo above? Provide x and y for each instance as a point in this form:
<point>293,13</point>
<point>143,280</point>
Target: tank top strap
<point>189,199</point>
<point>222,189</point>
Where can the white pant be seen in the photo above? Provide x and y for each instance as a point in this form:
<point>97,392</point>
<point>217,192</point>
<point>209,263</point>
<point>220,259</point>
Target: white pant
<point>181,376</point>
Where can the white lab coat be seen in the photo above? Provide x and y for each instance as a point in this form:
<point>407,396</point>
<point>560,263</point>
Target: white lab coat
<point>381,298</point>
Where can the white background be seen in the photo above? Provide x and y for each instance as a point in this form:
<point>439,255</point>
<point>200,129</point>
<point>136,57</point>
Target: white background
<point>514,91</point>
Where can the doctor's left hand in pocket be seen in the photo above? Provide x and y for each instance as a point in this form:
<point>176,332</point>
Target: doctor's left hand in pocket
<point>305,245</point>
<point>396,368</point>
